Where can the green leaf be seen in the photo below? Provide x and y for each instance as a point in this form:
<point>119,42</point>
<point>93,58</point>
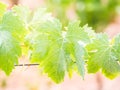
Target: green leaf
<point>48,51</point>
<point>40,15</point>
<point>102,56</point>
<point>55,64</point>
<point>75,57</point>
<point>23,13</point>
<point>71,65</point>
<point>50,26</point>
<point>116,47</point>
<point>50,54</point>
<point>40,44</point>
<point>13,24</point>
<point>79,55</point>
<point>77,38</point>
<point>9,52</point>
<point>51,48</point>
<point>76,33</point>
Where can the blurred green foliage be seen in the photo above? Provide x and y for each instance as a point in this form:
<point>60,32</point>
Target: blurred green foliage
<point>59,8</point>
<point>95,13</point>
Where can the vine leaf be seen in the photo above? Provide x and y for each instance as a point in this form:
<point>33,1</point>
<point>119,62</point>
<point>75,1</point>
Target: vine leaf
<point>48,51</point>
<point>75,58</point>
<point>51,49</point>
<point>116,46</point>
<point>102,56</point>
<point>40,15</point>
<point>77,38</point>
<point>55,50</point>
<point>9,51</point>
<point>23,13</point>
<point>77,33</point>
<point>13,24</point>
<point>51,57</point>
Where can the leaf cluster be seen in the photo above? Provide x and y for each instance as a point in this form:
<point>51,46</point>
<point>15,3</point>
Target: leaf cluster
<point>59,50</point>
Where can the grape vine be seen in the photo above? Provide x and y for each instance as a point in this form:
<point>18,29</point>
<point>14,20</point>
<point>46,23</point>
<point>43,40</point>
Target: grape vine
<point>57,49</point>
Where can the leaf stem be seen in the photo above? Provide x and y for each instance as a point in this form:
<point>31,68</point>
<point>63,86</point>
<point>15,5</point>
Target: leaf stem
<point>27,65</point>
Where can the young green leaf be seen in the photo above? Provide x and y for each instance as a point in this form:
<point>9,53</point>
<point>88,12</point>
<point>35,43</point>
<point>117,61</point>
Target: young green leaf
<point>75,57</point>
<point>77,33</point>
<point>116,47</point>
<point>48,51</point>
<point>9,52</point>
<point>23,13</point>
<point>101,56</point>
<point>13,24</point>
<point>50,54</point>
<point>40,15</point>
<point>77,38</point>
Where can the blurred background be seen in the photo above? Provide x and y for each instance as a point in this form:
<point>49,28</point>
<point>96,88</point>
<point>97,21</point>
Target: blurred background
<point>101,15</point>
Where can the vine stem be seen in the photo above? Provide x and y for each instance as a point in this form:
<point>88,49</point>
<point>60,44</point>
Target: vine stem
<point>27,65</point>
